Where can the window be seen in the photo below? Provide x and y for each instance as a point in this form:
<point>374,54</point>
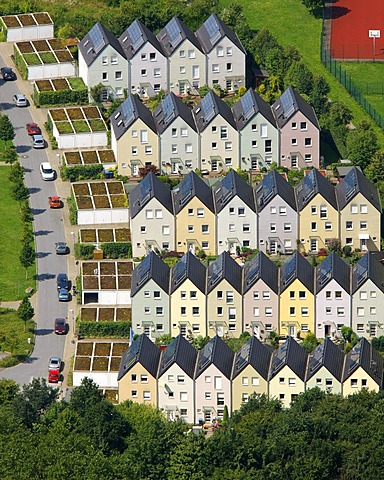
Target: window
<point>148,214</point>
<point>354,208</point>
<point>349,241</point>
<point>292,294</point>
<point>323,211</point>
<point>287,227</point>
<point>143,136</point>
<point>195,327</point>
<point>373,294</point>
<point>372,310</point>
<point>363,209</point>
<point>219,294</point>
<point>143,72</point>
<point>232,314</point>
<point>313,226</point>
<point>182,53</point>
<point>159,311</point>
<point>268,311</point>
<point>180,379</point>
<point>143,229</point>
<point>272,227</point>
<point>134,393</point>
<point>360,327</point>
<point>183,311</point>
<point>291,382</point>
<point>292,311</point>
<point>282,210</point>
<point>220,51</point>
<point>303,125</point>
<point>205,245</point>
<point>354,382</point>
<point>220,399</point>
<point>148,150</point>
<point>267,146</point>
<point>294,125</point>
<point>147,294</point>
<point>228,161</point>
<point>254,127</point>
<point>214,145</point>
<point>340,311</point>
<point>157,72</point>
<point>158,213</point>
<point>143,56</point>
<point>229,297</point>
<point>363,295</point>
<point>193,294</point>
<point>256,311</point>
<point>215,68</point>
<point>338,294</point>
<point>223,132</point>
<point>328,225</point>
<point>313,210</point>
<point>119,91</point>
<point>143,378</point>
<point>104,76</point>
<point>349,225</point>
<point>254,143</point>
<point>159,327</point>
<point>147,395</point>
<point>304,327</point>
<point>114,60</point>
<point>104,60</point>
<point>200,212</point>
<point>304,311</point>
<point>188,148</point>
<point>174,148</point>
<point>228,145</point>
<point>133,377</point>
<point>208,379</point>
<point>191,53</point>
<point>282,380</point>
<point>229,67</point>
<point>294,141</point>
<point>190,211</point>
<point>360,311</point>
<point>219,311</point>
<point>208,396</point>
<point>205,229</point>
<point>255,295</point>
<point>118,75</point>
<point>231,210</point>
<point>266,295</point>
<point>308,142</point>
<point>302,294</point>
<point>245,381</point>
<point>152,57</point>
<point>229,51</point>
<point>363,225</point>
<point>328,310</point>
<point>157,294</point>
<point>182,69</point>
<point>195,311</point>
<point>246,228</point>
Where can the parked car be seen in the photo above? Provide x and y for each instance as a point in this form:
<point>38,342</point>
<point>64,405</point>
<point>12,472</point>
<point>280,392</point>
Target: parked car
<point>63,295</point>
<point>7,73</point>
<point>54,363</point>
<point>47,172</point>
<point>60,326</point>
<point>61,248</point>
<point>53,376</point>
<point>33,129</point>
<point>38,141</point>
<point>19,100</point>
<point>55,202</point>
<point>62,281</point>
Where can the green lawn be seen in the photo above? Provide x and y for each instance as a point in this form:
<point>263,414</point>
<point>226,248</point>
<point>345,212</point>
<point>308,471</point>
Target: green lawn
<point>12,274</point>
<point>292,24</point>
<point>14,337</point>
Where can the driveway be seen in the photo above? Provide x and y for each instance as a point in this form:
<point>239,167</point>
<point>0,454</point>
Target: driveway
<point>49,228</point>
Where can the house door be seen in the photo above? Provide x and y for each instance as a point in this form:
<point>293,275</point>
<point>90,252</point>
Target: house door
<point>232,247</point>
<point>327,330</point>
<point>254,165</point>
<point>135,169</point>
<point>256,331</point>
<point>272,247</point>
<point>174,170</point>
<point>147,330</point>
<point>294,161</point>
<point>207,417</point>
<point>220,330</point>
<point>214,166</point>
<point>313,245</point>
<point>182,88</point>
<point>372,330</point>
<point>183,329</point>
<point>291,330</point>
<point>191,247</point>
<point>363,245</point>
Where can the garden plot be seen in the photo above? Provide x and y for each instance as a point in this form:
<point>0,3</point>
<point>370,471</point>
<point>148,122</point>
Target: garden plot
<point>104,235</point>
<point>78,127</point>
<point>105,314</point>
<point>60,91</point>
<point>90,157</point>
<point>43,59</point>
<point>33,26</point>
<point>99,361</point>
<point>106,282</point>
<point>100,202</point>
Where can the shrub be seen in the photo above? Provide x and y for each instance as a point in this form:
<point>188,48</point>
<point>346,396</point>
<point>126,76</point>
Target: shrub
<point>84,251</point>
<point>82,172</point>
<point>61,97</point>
<point>117,250</point>
<point>104,329</point>
<point>20,64</point>
<point>72,210</point>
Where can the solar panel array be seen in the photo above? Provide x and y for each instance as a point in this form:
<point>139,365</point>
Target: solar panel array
<point>186,188</point>
<point>206,355</point>
<point>242,356</point>
<point>128,111</point>
<point>361,270</point>
<point>350,182</point>
<point>215,271</point>
<point>248,104</point>
<point>228,186</point>
<point>97,38</point>
<point>325,271</point>
<point>132,354</point>
<point>179,271</point>
<point>252,269</point>
<point>316,359</point>
<point>268,183</point>
<point>136,35</point>
<point>213,29</point>
<point>208,107</point>
<point>309,186</point>
<point>144,270</point>
<point>288,103</point>
<point>174,32</point>
<point>280,357</point>
<point>169,355</point>
<point>289,269</point>
<point>168,109</point>
<point>355,357</point>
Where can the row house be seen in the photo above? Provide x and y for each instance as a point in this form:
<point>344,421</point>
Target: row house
<point>196,387</point>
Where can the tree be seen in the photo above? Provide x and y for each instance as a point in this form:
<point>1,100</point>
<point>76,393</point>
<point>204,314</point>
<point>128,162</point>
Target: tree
<point>362,144</point>
<point>338,114</point>
<point>319,94</point>
<point>309,342</point>
<point>16,173</point>
<point>300,77</point>
<point>334,245</point>
<point>27,257</point>
<point>8,390</point>
<point>312,5</point>
<point>10,155</point>
<point>25,311</point>
<point>7,132</point>
<point>375,170</point>
<point>346,333</point>
<point>20,192</point>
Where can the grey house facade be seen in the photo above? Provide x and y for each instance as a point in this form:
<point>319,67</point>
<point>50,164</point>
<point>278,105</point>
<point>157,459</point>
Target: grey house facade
<point>277,215</point>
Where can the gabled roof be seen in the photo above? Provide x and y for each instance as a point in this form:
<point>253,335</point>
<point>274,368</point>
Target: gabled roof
<point>173,35</point>
<point>249,105</point>
<point>150,187</point>
<point>326,355</point>
<point>231,186</point>
<point>152,267</point>
<point>260,267</point>
<point>369,267</point>
<point>253,353</point>
<point>289,354</point>
<point>135,36</point>
<point>288,104</point>
<point>224,268</point>
<point>208,108</point>
<point>332,267</point>
<point>271,185</point>
<point>296,267</point>
<point>181,352</point>
<point>188,267</point>
<point>365,356</point>
<point>127,113</point>
<point>142,351</point>
<point>192,186</point>
<point>352,184</point>
<point>212,31</point>
<point>95,41</point>
<point>168,110</point>
<point>312,184</point>
<point>215,352</point>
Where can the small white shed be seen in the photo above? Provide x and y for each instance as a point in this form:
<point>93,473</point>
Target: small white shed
<point>29,26</point>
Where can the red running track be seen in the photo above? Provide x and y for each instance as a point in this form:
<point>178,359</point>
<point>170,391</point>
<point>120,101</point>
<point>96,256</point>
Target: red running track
<point>351,22</point>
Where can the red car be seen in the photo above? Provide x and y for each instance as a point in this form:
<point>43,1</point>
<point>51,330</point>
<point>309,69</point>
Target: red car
<point>55,202</point>
<point>53,376</point>
<point>33,129</point>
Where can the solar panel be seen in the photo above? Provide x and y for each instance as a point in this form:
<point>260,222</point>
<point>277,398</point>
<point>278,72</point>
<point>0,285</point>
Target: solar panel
<point>144,269</point>
<point>242,356</point>
<point>132,354</point>
<point>174,32</point>
<point>206,355</point>
<point>208,107</point>
<point>361,270</point>
<point>316,359</point>
<point>248,104</point>
<point>169,355</point>
<point>179,271</point>
<point>145,189</point>
<point>228,186</point>
<point>325,270</point>
<point>288,103</point>
<point>355,357</point>
<point>289,269</point>
<point>136,35</point>
<point>252,269</point>
<point>350,185</point>
<point>215,271</point>
<point>168,109</point>
<point>213,29</point>
<point>309,186</point>
<point>96,36</point>
<point>280,356</point>
<point>128,111</point>
<point>268,183</point>
<point>186,187</point>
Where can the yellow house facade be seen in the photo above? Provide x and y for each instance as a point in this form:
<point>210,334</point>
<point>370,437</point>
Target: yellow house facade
<point>286,386</point>
<point>246,384</point>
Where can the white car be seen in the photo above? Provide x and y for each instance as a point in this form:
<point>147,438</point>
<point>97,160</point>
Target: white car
<point>54,363</point>
<point>19,100</point>
<point>47,172</point>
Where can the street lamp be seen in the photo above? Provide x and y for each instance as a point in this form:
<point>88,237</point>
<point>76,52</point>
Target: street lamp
<point>58,159</point>
<point>73,238</point>
<point>72,315</point>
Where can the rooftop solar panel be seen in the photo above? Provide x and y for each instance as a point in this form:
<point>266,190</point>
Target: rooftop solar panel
<point>361,270</point>
<point>228,186</point>
<point>180,271</point>
<point>186,188</point>
<point>242,356</point>
<point>350,185</point>
<point>289,269</point>
<point>208,107</point>
<point>97,38</point>
<point>174,32</point>
<point>136,35</point>
<point>316,358</point>
<point>355,357</point>
<point>206,355</point>
<point>287,103</point>
<point>253,269</point>
<point>268,183</point>
<point>132,354</point>
<point>325,270</point>
<point>168,109</point>
<point>144,269</point>
<point>248,104</point>
<point>169,355</point>
<point>213,29</point>
<point>128,111</point>
<point>145,189</point>
<point>215,271</point>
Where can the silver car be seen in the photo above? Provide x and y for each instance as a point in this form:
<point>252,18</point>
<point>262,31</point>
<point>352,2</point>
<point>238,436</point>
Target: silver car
<point>38,141</point>
<point>19,100</point>
<point>54,363</point>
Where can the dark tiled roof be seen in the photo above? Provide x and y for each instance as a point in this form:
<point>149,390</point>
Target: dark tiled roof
<point>181,352</point>
<point>142,351</point>
<point>288,104</point>
<point>289,354</point>
<point>212,31</point>
<point>229,187</point>
<point>127,113</point>
<point>271,185</point>
<point>327,355</point>
<point>369,267</point>
<point>173,35</point>
<point>365,356</point>
<point>192,186</point>
<point>188,267</point>
<point>95,41</point>
<point>224,268</point>
<point>208,109</point>
<point>215,352</point>
<point>150,187</point>
<point>296,267</point>
<point>312,184</point>
<point>168,110</point>
<point>260,267</point>
<point>332,267</point>
<point>352,184</point>
<point>248,106</point>
<point>135,36</point>
<point>253,353</point>
<point>152,267</point>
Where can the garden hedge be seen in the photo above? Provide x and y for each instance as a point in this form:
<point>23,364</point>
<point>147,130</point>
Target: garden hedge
<point>82,172</point>
<point>61,97</point>
<point>104,329</point>
<point>117,250</point>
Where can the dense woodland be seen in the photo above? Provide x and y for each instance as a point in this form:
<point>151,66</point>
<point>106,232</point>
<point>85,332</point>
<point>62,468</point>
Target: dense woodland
<point>320,437</point>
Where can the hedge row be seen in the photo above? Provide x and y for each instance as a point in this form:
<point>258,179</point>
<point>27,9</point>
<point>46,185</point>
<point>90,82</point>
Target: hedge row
<point>61,97</point>
<point>84,251</point>
<point>82,172</point>
<point>104,329</point>
<point>111,250</point>
<point>20,64</point>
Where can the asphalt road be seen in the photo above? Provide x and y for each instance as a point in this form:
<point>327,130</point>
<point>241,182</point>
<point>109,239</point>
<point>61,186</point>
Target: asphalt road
<point>49,228</point>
